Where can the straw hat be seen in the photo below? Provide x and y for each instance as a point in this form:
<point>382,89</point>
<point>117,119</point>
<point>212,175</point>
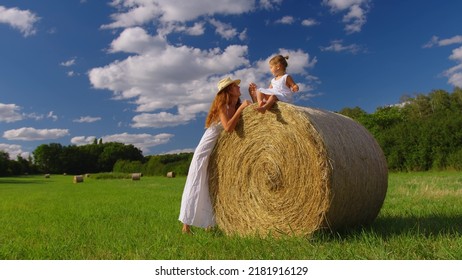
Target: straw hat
<point>226,82</point>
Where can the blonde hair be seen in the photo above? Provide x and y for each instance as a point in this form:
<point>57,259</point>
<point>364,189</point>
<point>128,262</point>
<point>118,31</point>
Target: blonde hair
<point>279,59</point>
<point>221,100</point>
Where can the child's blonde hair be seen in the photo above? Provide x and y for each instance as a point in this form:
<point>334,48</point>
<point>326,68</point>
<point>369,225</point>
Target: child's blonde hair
<point>279,59</point>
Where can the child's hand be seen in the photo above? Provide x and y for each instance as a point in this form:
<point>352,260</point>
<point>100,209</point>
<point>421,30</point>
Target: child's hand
<point>294,88</point>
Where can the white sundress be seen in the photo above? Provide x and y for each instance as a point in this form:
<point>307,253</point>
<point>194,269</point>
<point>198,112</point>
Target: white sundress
<point>196,206</point>
<point>280,89</point>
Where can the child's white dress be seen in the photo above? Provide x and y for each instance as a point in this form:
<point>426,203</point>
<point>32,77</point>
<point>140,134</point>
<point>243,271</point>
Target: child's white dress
<point>196,207</point>
<point>280,89</point>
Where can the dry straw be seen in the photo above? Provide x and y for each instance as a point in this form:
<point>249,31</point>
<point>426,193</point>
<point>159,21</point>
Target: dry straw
<point>294,170</point>
<point>136,176</point>
<point>78,179</point>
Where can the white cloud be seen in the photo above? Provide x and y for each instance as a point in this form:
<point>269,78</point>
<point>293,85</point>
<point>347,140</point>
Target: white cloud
<point>87,119</point>
<point>137,40</point>
<point>68,63</point>
<point>337,46</point>
<point>269,4</point>
<point>243,35</point>
<point>197,29</point>
<point>31,134</point>
<point>454,73</point>
<point>435,41</point>
<point>52,116</point>
<point>454,40</point>
<point>72,73</point>
<point>9,113</point>
<point>83,140</point>
<point>309,22</point>
<point>142,141</point>
<point>224,30</point>
<point>356,15</point>
<point>139,12</point>
<point>456,54</point>
<point>286,20</point>
<point>341,5</point>
<point>13,151</point>
<point>23,20</point>
<point>456,79</point>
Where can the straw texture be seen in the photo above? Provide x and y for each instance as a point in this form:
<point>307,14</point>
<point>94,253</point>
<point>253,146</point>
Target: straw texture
<point>295,170</point>
<point>136,176</point>
<point>78,179</point>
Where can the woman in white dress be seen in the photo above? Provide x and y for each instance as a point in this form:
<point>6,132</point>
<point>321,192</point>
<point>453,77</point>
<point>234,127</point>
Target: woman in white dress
<point>225,111</point>
<point>281,88</point>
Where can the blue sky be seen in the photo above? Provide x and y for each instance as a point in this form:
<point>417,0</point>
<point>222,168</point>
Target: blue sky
<point>144,72</point>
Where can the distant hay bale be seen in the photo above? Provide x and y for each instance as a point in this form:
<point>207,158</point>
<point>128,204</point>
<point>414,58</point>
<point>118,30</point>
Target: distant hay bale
<point>78,179</point>
<point>136,176</point>
<point>87,175</point>
<point>294,170</point>
<point>171,174</point>
<point>47,176</point>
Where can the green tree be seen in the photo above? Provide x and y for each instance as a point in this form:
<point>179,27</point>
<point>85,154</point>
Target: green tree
<point>48,158</point>
<point>4,162</point>
<point>113,151</point>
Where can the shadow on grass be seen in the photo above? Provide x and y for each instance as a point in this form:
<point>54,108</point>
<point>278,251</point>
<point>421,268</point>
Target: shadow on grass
<point>387,227</point>
<point>427,226</point>
<point>19,181</point>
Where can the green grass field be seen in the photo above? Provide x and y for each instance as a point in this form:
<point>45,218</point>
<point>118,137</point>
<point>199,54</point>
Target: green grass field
<point>55,219</point>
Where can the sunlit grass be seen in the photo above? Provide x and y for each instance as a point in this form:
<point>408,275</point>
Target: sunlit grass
<point>124,219</point>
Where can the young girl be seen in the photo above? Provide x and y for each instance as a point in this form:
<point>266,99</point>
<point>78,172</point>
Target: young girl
<point>225,111</point>
<point>281,88</point>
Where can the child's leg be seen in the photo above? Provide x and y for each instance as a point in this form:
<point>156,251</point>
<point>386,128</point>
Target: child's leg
<point>270,101</point>
<point>260,97</point>
<point>266,104</point>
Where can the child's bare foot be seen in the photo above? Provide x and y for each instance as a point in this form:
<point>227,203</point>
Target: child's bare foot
<point>261,109</point>
<point>253,92</point>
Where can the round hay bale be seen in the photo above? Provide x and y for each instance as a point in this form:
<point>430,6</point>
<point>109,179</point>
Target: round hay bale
<point>294,170</point>
<point>136,176</point>
<point>171,174</point>
<point>47,176</point>
<point>78,179</point>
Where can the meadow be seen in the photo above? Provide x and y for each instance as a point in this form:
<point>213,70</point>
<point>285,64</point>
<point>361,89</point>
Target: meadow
<point>55,219</point>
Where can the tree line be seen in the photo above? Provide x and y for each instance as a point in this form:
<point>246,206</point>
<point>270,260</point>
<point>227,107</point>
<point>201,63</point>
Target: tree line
<point>156,165</point>
<point>98,157</point>
<point>422,132</point>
